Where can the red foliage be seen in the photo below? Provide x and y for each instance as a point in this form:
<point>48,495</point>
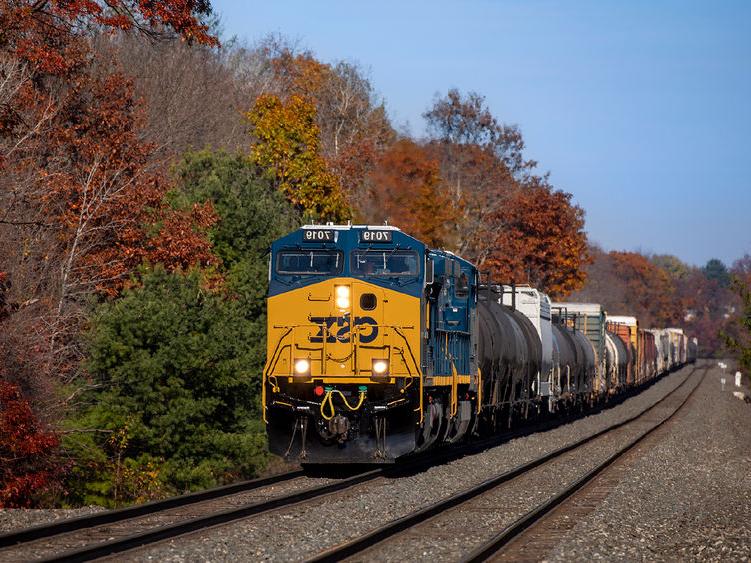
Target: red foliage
<point>28,462</point>
<point>543,241</point>
<point>81,193</point>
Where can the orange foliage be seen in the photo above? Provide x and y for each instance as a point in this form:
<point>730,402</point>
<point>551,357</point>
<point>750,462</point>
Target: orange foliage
<point>353,129</point>
<point>542,242</point>
<point>406,191</point>
<point>81,197</point>
<point>649,291</point>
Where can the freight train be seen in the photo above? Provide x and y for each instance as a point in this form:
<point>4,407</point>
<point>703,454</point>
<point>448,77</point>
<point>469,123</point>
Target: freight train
<point>379,347</point>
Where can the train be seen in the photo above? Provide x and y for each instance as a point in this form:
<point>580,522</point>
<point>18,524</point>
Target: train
<point>380,347</point>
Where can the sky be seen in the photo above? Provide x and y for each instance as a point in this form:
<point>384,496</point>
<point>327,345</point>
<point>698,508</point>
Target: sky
<point>640,109</point>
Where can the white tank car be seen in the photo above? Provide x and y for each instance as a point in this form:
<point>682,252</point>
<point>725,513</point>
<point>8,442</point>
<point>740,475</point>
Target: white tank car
<point>535,305</point>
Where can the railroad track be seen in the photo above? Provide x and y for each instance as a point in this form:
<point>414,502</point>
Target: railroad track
<point>115,531</point>
<point>444,511</point>
<point>527,530</point>
<point>110,532</point>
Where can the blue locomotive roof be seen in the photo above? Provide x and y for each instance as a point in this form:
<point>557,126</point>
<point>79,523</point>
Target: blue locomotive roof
<point>383,255</point>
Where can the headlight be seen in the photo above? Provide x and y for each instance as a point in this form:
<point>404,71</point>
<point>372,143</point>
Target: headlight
<point>302,366</point>
<point>342,296</point>
<point>380,367</point>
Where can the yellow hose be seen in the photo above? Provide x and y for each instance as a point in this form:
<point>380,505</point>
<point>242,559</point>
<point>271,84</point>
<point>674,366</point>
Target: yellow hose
<point>328,399</point>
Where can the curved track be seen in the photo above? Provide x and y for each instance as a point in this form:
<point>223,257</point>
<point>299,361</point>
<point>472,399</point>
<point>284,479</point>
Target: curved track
<point>111,532</point>
<point>528,523</point>
<point>115,531</point>
<point>437,510</point>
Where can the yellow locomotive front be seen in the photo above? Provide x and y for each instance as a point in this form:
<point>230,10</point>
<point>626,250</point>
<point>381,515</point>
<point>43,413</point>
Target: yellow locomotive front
<point>342,381</point>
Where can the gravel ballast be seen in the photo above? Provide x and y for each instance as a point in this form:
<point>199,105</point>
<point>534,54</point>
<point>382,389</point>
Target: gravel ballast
<point>18,518</point>
<point>300,532</point>
<point>47,547</point>
<point>684,495</point>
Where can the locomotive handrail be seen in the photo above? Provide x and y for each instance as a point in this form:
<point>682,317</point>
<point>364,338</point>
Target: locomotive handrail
<point>270,363</point>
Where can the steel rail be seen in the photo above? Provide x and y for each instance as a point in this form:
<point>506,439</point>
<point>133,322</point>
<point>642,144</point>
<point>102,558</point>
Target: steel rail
<point>156,534</point>
<point>390,529</point>
<point>86,553</point>
<point>110,516</point>
<point>531,518</point>
<point>103,549</point>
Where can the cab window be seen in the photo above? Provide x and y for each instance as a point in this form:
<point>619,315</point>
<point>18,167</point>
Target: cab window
<point>386,263</point>
<point>309,262</point>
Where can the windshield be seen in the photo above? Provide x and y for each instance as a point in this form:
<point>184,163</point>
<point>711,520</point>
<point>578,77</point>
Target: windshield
<point>309,262</point>
<point>389,263</point>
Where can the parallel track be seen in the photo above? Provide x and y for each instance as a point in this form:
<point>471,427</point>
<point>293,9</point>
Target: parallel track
<point>365,542</point>
<point>534,517</point>
<point>90,528</point>
<point>121,514</point>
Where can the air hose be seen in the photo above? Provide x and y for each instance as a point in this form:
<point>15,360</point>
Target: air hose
<point>328,400</point>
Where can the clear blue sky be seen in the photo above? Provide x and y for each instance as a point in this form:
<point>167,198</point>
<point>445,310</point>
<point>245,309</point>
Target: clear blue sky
<point>641,109</point>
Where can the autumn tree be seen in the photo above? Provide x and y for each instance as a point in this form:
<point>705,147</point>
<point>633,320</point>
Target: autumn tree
<point>543,242</point>
<point>29,457</point>
<point>629,283</point>
<point>354,127</point>
<point>80,202</point>
<point>458,120</point>
<point>510,221</point>
<point>287,144</point>
<point>737,337</point>
<point>405,190</point>
<point>674,266</point>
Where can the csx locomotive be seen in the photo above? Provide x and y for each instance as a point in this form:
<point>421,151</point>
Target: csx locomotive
<point>379,347</point>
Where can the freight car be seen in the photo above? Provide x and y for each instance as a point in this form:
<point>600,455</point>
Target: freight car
<point>379,347</point>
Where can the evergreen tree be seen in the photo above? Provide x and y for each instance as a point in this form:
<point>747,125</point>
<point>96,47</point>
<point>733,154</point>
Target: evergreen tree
<point>717,271</point>
<point>176,365</point>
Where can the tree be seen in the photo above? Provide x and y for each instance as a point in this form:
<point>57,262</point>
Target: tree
<point>405,190</point>
<point>176,397</point>
<point>742,268</point>
<point>738,337</point>
<point>29,460</point>
<point>628,283</point>
<point>80,199</point>
<point>677,269</point>
<point>354,127</point>
<point>251,212</point>
<point>287,145</point>
<point>457,120</point>
<point>717,271</point>
<point>543,242</point>
<point>173,356</point>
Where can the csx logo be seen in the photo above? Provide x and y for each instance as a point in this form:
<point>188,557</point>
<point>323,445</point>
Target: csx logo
<point>338,329</point>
